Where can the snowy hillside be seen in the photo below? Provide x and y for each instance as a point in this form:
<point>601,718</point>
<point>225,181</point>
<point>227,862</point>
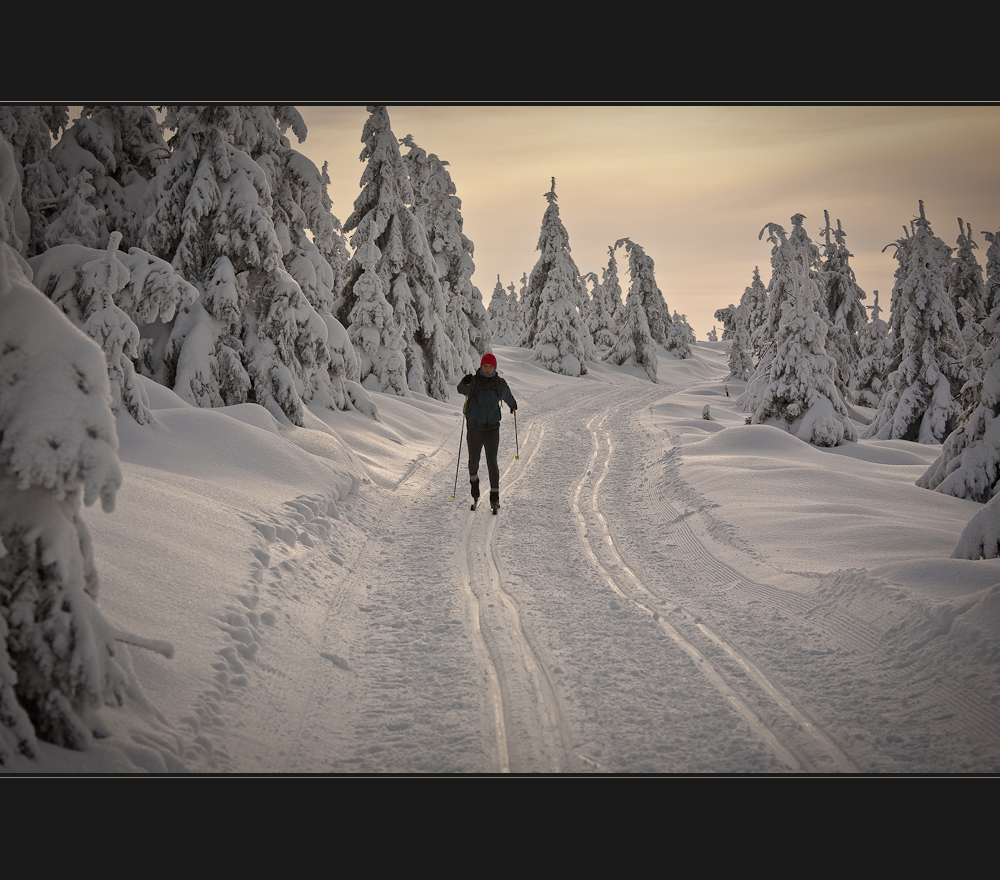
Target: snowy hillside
<point>660,592</point>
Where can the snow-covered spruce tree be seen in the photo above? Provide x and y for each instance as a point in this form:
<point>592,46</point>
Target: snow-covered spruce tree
<point>407,269</point>
<point>680,336</point>
<point>373,328</point>
<point>873,365</point>
<point>980,539</point>
<point>87,284</point>
<point>504,315</point>
<point>642,272</point>
<point>559,344</point>
<point>78,221</point>
<point>754,302</point>
<point>897,301</point>
<point>788,252</point>
<point>553,295</point>
<point>553,245</point>
<point>110,153</point>
<point>150,299</point>
<point>612,287</point>
<point>59,659</point>
<point>600,319</point>
<point>992,284</point>
<point>713,335</point>
<point>966,286</point>
<point>313,249</point>
<point>252,336</point>
<point>29,130</point>
<point>727,316</point>
<point>969,464</point>
<point>634,344</point>
<point>518,321</point>
<point>741,362</point>
<point>605,305</point>
<point>440,211</point>
<point>497,313</point>
<point>844,307</point>
<point>922,397</point>
<point>801,396</point>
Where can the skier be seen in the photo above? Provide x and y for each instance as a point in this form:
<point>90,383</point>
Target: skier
<point>484,391</point>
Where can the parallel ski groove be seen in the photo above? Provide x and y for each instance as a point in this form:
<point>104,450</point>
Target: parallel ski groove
<point>782,751</point>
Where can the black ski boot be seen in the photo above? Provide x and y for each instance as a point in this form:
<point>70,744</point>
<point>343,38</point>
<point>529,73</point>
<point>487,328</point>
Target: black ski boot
<point>495,502</point>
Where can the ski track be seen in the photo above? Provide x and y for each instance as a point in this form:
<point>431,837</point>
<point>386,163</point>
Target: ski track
<point>530,732</point>
<point>596,535</point>
<point>840,634</point>
<point>646,743</point>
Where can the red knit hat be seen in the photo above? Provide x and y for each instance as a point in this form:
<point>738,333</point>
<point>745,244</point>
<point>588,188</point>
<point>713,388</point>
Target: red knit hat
<point>488,359</point>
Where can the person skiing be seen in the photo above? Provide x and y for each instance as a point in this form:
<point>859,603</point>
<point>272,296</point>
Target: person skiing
<point>483,391</point>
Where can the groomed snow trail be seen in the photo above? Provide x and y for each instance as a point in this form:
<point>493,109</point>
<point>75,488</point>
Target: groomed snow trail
<point>608,620</point>
<point>748,689</point>
<point>642,696</point>
<point>423,637</point>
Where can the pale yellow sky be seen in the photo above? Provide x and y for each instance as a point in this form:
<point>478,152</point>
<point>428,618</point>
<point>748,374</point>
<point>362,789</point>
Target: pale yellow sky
<point>693,185</point>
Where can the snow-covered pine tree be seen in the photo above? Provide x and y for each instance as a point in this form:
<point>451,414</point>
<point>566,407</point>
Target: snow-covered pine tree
<point>922,397</point>
<point>642,273</point>
<point>801,396</point>
<point>845,312</point>
<point>873,365</point>
<point>634,344</point>
<point>713,335</point>
<point>113,152</point>
<point>439,209</point>
<point>407,269</point>
<point>551,301</point>
<point>252,335</point>
<point>59,659</point>
<point>373,328</point>
<point>966,286</point>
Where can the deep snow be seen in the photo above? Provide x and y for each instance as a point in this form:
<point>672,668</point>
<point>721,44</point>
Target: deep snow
<point>660,592</point>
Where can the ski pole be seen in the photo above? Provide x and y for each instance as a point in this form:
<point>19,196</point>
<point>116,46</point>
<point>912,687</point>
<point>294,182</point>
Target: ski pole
<point>458,463</point>
<point>517,448</point>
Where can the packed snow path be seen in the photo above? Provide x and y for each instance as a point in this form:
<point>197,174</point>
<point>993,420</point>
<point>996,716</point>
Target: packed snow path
<point>610,619</point>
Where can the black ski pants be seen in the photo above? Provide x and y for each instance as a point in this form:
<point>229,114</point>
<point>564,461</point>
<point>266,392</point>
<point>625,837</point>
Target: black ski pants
<point>480,439</point>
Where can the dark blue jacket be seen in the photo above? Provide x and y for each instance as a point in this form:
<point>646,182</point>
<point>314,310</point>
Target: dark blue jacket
<point>482,409</point>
